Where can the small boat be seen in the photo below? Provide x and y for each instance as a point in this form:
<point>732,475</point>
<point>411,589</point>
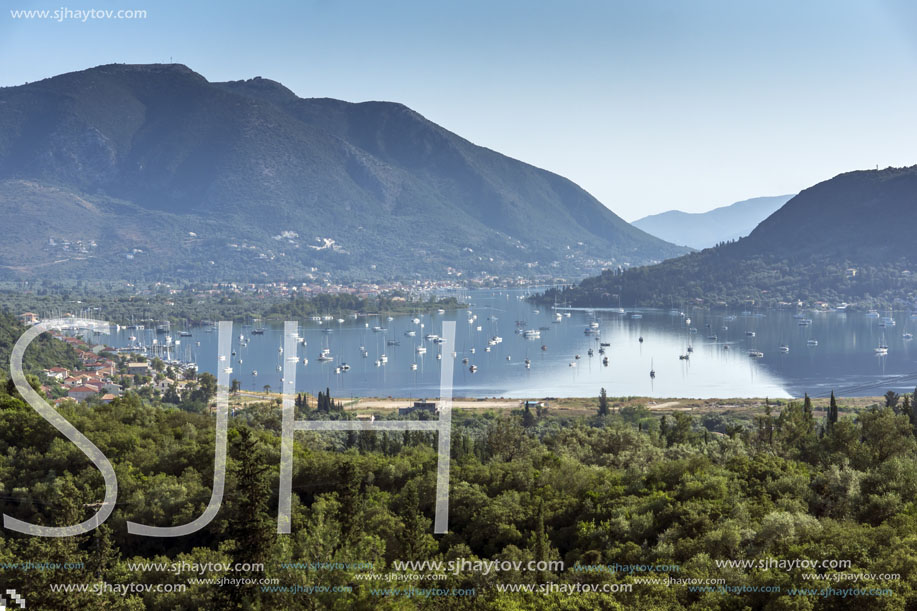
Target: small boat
<point>473,368</point>
<point>465,361</point>
<point>410,333</point>
<point>572,364</point>
<point>692,330</point>
<point>577,357</point>
<point>907,335</point>
<point>185,334</point>
<point>812,342</point>
<point>750,333</point>
<point>413,366</point>
<point>605,361</point>
<point>683,357</point>
<point>439,357</point>
<point>544,347</point>
<point>383,358</point>
<point>305,361</point>
<point>690,349</point>
<point>755,354</point>
<point>805,322</point>
<point>227,370</point>
<point>640,339</point>
<point>712,338</point>
<point>393,342</point>
<point>590,352</point>
<point>881,350</point>
<point>487,349</point>
<point>872,314</point>
<point>255,373</point>
<point>784,348</point>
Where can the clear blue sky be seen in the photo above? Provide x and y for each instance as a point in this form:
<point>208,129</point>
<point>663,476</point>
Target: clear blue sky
<point>648,105</point>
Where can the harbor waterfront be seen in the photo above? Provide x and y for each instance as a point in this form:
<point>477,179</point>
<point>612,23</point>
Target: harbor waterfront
<point>508,347</point>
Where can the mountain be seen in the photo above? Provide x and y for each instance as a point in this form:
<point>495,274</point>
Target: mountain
<point>705,229</point>
<point>848,239</point>
<point>151,171</point>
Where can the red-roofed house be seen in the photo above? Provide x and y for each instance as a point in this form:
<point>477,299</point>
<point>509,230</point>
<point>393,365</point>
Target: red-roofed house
<point>28,318</point>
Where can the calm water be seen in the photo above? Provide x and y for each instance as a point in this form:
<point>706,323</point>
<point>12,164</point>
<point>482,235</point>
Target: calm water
<point>844,358</point>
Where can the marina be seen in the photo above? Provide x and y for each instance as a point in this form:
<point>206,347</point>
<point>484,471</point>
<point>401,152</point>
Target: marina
<point>507,346</point>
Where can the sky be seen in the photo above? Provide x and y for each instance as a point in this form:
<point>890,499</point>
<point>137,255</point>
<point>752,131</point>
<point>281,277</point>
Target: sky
<point>648,105</point>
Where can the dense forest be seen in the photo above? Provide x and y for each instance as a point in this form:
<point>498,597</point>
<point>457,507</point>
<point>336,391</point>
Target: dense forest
<point>723,276</point>
<point>604,494</point>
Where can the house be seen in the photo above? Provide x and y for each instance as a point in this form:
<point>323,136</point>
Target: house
<point>108,398</point>
<point>28,318</point>
<point>58,373</point>
<point>419,406</point>
<point>141,369</point>
<point>114,389</point>
<point>81,393</point>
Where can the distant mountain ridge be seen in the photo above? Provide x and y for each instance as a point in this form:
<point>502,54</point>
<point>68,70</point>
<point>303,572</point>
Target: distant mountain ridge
<point>847,239</point>
<point>701,230</point>
<point>148,171</point>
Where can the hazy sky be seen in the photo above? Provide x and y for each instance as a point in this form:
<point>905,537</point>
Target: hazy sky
<point>647,105</point>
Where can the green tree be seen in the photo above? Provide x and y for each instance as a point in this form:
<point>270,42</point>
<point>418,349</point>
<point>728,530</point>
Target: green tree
<point>603,403</point>
<point>891,400</point>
